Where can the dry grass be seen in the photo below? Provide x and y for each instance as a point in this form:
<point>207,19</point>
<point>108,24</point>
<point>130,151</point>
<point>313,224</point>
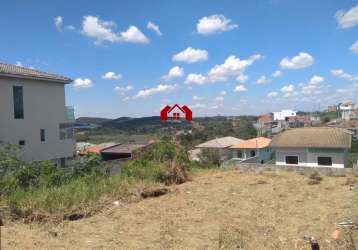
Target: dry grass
<point>216,210</point>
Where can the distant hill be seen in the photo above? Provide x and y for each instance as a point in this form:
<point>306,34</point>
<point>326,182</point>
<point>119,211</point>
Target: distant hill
<point>92,120</point>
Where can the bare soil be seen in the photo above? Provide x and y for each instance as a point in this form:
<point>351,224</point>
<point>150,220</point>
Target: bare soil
<point>216,210</point>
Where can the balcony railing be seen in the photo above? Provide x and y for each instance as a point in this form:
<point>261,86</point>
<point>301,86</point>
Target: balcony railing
<point>70,114</point>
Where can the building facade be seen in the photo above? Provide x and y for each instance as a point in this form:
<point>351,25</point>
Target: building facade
<point>283,114</point>
<point>34,115</point>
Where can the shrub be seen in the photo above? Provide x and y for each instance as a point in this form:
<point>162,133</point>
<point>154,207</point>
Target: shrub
<point>210,157</point>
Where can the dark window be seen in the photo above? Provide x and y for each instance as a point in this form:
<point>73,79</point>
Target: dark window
<point>292,160</point>
<point>43,135</point>
<point>239,154</point>
<point>22,143</point>
<point>252,153</point>
<point>325,161</point>
<point>18,102</point>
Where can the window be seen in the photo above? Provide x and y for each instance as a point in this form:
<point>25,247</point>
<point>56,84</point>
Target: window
<point>325,161</point>
<point>22,143</point>
<point>292,160</point>
<point>252,153</point>
<point>66,131</point>
<point>18,102</point>
<point>176,116</point>
<point>42,135</point>
<point>239,154</point>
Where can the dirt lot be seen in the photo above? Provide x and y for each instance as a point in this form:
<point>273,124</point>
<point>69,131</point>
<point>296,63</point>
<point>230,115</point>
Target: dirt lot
<point>216,210</point>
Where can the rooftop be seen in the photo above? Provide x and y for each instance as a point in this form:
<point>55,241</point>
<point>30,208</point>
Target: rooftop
<point>124,148</point>
<point>259,142</point>
<point>28,73</point>
<point>313,137</point>
<point>223,142</point>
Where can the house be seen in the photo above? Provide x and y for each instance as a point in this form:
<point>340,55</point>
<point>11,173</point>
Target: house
<point>253,150</point>
<point>346,110</point>
<point>123,151</point>
<point>332,109</point>
<point>221,144</point>
<point>283,114</point>
<point>34,115</point>
<point>312,147</point>
<point>175,113</point>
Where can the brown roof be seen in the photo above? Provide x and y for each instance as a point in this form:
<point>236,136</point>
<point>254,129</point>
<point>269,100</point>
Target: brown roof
<point>223,142</point>
<point>259,142</point>
<point>27,73</point>
<point>319,137</point>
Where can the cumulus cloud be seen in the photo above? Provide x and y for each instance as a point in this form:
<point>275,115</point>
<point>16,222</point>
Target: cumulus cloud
<point>198,79</point>
<point>272,94</point>
<point>111,76</point>
<point>175,72</point>
<point>347,18</point>
<point>240,88</point>
<point>190,55</point>
<point>80,83</point>
<point>102,31</point>
<point>222,92</point>
<point>242,78</point>
<point>220,99</point>
<point>263,80</point>
<point>277,73</point>
<point>59,23</point>
<point>155,28</point>
<point>341,74</point>
<point>302,60</point>
<point>123,90</point>
<point>197,98</point>
<point>213,24</point>
<point>232,66</point>
<point>313,85</point>
<point>354,47</point>
<point>288,90</point>
<point>198,106</point>
<point>161,88</point>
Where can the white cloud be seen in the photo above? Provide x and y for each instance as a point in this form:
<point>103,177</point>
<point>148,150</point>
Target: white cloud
<point>341,74</point>
<point>302,60</point>
<point>277,73</point>
<point>288,90</point>
<point>59,23</point>
<point>263,80</point>
<point>122,90</point>
<point>154,27</point>
<point>354,47</point>
<point>197,98</point>
<point>198,106</point>
<point>316,79</point>
<point>18,63</point>
<point>272,94</point>
<point>347,19</point>
<point>313,86</point>
<point>80,83</point>
<point>220,99</point>
<point>242,78</point>
<point>111,76</point>
<point>240,88</point>
<point>175,72</point>
<point>223,92</point>
<point>231,66</point>
<point>214,24</point>
<point>133,35</point>
<point>190,55</point>
<point>70,27</point>
<point>198,79</point>
<point>161,88</point>
<point>102,31</point>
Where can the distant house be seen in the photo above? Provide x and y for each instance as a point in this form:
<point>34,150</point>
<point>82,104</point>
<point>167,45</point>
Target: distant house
<point>346,110</point>
<point>252,150</point>
<point>283,114</point>
<point>123,151</point>
<point>312,147</point>
<point>34,114</point>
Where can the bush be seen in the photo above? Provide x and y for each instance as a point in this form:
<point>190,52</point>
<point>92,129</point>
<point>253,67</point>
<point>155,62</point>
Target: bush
<point>210,157</point>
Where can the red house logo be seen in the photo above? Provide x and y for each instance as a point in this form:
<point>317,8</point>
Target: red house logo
<point>175,113</point>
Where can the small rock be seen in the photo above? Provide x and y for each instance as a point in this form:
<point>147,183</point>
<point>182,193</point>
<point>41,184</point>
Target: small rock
<point>116,203</point>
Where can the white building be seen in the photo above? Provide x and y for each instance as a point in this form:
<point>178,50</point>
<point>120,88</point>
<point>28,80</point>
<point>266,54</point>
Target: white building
<point>346,110</point>
<point>283,114</point>
<point>312,147</point>
<point>33,114</point>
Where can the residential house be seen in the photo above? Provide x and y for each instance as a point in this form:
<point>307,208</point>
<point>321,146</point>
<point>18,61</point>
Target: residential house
<point>34,115</point>
<point>283,114</point>
<point>254,150</point>
<point>312,147</point>
<point>347,110</point>
<point>332,109</point>
<point>124,151</point>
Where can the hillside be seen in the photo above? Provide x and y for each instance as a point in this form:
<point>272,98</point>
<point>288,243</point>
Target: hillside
<point>92,120</point>
<point>216,210</point>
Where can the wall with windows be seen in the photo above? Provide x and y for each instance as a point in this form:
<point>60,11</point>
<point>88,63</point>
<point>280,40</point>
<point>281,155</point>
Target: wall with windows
<point>311,157</point>
<point>31,113</point>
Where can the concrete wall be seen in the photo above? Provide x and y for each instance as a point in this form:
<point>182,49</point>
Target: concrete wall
<point>308,158</point>
<point>44,108</point>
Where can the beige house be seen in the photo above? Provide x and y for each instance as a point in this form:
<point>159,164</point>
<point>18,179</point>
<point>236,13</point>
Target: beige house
<point>312,147</point>
<point>34,115</point>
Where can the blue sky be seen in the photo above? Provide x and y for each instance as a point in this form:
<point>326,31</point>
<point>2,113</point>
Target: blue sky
<point>223,54</point>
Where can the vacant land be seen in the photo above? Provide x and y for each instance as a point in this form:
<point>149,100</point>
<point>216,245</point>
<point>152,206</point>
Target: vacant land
<point>216,210</point>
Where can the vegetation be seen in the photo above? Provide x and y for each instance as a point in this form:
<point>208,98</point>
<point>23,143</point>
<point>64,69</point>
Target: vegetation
<point>40,190</point>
